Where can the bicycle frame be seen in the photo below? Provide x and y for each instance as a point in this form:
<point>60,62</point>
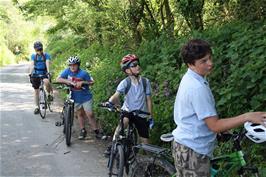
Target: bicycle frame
<point>122,138</point>
<point>125,140</point>
<point>225,165</point>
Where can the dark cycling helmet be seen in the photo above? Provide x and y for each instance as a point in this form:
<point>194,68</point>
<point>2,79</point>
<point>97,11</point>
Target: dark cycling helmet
<point>73,60</point>
<point>126,60</point>
<point>38,45</point>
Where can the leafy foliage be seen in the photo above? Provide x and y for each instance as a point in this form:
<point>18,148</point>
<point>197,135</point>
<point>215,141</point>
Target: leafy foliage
<point>102,31</point>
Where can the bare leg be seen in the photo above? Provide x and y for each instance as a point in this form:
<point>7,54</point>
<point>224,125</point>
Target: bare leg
<point>126,121</point>
<point>48,86</point>
<point>92,120</point>
<point>36,97</point>
<point>80,114</point>
<point>144,140</point>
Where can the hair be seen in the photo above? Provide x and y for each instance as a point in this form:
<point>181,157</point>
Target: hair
<point>194,50</point>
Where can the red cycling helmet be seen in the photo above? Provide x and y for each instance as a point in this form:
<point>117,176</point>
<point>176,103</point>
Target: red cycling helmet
<point>126,60</point>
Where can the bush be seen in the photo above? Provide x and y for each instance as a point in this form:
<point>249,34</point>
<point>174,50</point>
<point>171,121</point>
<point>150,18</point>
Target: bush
<point>238,80</point>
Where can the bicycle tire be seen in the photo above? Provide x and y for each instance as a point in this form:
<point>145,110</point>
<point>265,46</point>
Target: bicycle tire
<point>135,136</point>
<point>145,166</point>
<point>68,125</point>
<point>117,160</point>
<point>42,103</point>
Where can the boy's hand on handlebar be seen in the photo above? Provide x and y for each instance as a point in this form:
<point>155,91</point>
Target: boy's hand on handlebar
<point>108,104</point>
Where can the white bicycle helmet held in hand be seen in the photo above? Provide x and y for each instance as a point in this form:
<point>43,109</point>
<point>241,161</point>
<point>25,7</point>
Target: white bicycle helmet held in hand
<point>255,132</point>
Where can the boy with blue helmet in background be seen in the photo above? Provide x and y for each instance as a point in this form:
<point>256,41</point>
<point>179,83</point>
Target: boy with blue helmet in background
<point>40,66</point>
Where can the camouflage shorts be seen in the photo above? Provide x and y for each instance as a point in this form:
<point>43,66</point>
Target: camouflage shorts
<point>188,163</point>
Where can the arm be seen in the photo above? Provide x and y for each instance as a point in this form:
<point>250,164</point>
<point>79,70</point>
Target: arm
<point>64,81</point>
<point>220,125</point>
<point>86,80</point>
<point>149,104</point>
<point>31,66</point>
<point>115,98</point>
<point>48,65</point>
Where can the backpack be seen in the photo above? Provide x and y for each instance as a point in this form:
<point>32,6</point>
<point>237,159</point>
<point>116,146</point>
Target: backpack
<point>144,83</point>
<point>44,60</point>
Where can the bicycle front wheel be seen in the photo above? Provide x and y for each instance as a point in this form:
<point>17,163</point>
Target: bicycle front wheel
<point>68,117</point>
<point>117,160</point>
<point>151,167</point>
<point>42,103</point>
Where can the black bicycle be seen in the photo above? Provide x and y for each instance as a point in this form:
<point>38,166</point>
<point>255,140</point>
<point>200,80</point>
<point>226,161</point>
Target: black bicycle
<point>67,114</point>
<point>122,147</point>
<point>44,103</point>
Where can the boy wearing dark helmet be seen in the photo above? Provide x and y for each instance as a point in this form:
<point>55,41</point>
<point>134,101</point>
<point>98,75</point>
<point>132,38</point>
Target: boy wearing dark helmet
<point>136,97</point>
<point>81,94</point>
<point>40,65</point>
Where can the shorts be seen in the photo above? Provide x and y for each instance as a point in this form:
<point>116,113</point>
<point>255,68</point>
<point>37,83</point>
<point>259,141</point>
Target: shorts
<point>87,106</point>
<point>36,82</point>
<point>141,124</point>
<point>189,163</point>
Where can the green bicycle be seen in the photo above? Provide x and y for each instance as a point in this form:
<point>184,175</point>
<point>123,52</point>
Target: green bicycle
<point>159,162</point>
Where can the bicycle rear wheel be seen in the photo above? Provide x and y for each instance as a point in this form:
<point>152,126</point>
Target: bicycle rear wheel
<point>42,103</point>
<point>68,117</point>
<point>116,161</point>
<point>151,167</point>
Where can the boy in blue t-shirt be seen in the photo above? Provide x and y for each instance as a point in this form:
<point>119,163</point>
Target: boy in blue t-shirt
<point>81,93</point>
<point>40,66</point>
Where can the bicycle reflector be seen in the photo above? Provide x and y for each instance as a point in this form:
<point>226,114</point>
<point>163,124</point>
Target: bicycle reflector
<point>255,132</point>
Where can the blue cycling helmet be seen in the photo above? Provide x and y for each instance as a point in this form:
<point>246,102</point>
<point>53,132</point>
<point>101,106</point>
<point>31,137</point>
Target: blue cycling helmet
<point>73,60</point>
<point>38,45</point>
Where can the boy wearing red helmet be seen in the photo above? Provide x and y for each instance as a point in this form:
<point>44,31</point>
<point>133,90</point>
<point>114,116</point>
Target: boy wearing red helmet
<point>137,96</point>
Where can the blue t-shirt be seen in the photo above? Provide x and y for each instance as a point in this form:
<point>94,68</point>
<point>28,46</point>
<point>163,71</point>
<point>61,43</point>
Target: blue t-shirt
<point>79,95</point>
<point>194,102</point>
<point>39,64</point>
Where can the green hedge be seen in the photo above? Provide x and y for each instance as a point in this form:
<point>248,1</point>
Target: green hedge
<point>238,80</point>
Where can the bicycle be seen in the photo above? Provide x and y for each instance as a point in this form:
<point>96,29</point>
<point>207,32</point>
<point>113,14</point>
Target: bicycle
<point>44,103</point>
<point>67,114</point>
<point>160,162</point>
<point>122,146</point>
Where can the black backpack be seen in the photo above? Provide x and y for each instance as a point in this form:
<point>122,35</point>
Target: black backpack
<point>144,83</point>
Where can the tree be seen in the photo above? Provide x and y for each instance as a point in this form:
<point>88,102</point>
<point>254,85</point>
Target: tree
<point>192,11</point>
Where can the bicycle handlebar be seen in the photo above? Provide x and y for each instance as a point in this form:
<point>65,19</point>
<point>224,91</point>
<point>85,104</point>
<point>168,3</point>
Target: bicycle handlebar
<point>113,108</point>
<point>69,85</point>
<point>39,75</point>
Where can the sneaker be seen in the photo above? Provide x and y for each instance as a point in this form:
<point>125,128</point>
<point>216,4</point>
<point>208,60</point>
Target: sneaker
<point>99,135</point>
<point>36,111</point>
<point>107,152</point>
<point>82,134</point>
<point>50,98</point>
